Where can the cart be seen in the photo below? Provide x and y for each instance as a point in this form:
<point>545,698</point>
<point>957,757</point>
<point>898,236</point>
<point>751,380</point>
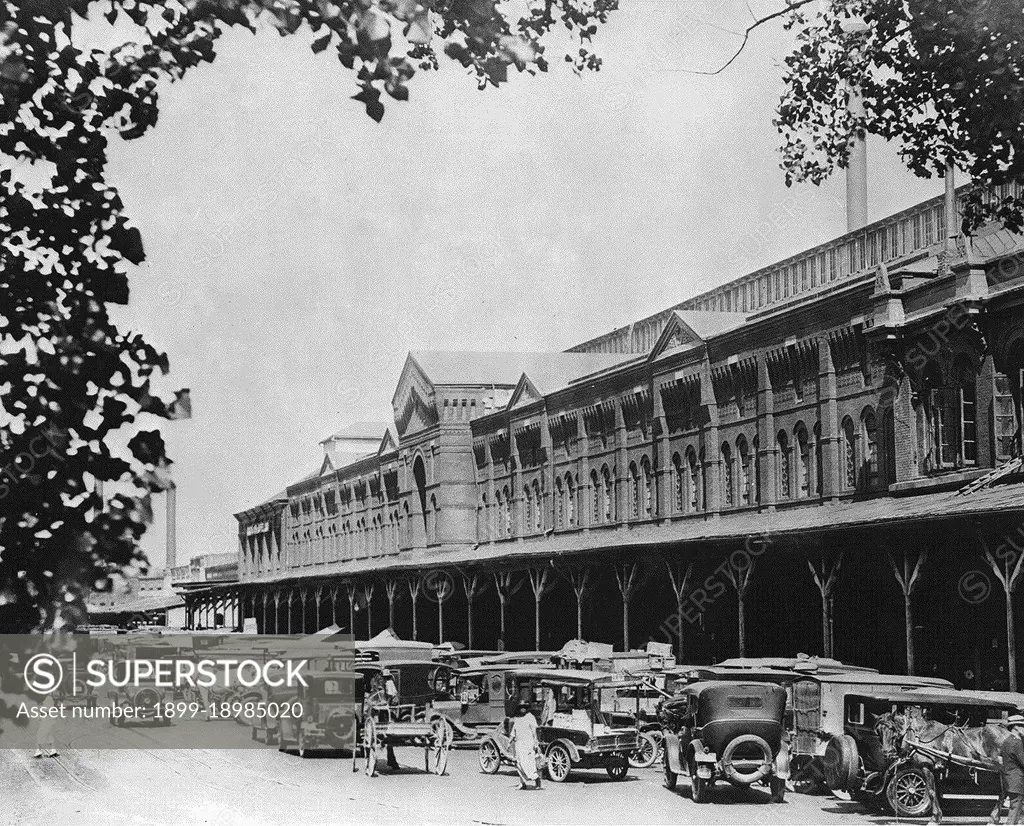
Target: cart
<point>408,724</point>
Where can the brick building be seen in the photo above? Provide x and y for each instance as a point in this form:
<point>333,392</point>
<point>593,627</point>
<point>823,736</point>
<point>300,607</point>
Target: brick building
<point>771,466</point>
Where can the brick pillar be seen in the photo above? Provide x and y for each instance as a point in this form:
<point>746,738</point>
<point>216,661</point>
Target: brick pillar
<point>662,456</point>
<point>905,434</point>
<point>583,489</point>
<point>712,449</point>
<point>621,473</point>
<point>828,415</point>
<point>766,435</point>
<point>983,411</point>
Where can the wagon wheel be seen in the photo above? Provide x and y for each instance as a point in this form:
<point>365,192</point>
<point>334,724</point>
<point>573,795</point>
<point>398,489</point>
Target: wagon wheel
<point>370,745</point>
<point>559,763</point>
<point>490,760</point>
<point>908,793</point>
<point>646,753</point>
<point>618,769</point>
<point>435,756</point>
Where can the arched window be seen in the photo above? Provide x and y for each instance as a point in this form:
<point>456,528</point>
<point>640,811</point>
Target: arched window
<point>849,457</point>
<point>595,498</point>
<point>803,460</point>
<point>755,477</point>
<point>419,474</point>
<point>743,454</point>
<point>678,484</point>
<point>648,500</point>
<point>869,433</point>
<point>785,491</point>
<point>570,491</point>
<point>634,491</point>
<point>819,465</point>
<point>538,507</point>
<point>527,510</point>
<point>432,532</point>
<point>693,479</point>
<point>727,475</point>
<point>609,494</point>
<point>484,519</point>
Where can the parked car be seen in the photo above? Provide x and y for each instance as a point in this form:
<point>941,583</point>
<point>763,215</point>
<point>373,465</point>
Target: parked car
<point>580,734</point>
<point>726,730</point>
<point>325,717</point>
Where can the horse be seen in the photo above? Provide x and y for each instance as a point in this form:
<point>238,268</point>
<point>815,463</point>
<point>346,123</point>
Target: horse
<point>898,733</point>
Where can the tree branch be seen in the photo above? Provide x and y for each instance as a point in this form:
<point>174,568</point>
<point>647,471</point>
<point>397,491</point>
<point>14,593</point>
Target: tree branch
<point>746,36</point>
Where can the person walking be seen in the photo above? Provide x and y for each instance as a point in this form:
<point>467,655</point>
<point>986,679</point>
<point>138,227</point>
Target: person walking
<point>1011,773</point>
<point>524,746</point>
<point>44,734</point>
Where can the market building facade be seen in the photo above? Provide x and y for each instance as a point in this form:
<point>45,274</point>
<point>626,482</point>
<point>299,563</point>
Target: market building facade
<point>769,467</point>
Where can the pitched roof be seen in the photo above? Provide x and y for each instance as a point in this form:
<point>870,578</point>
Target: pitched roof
<point>360,430</point>
<point>548,371</point>
<point>706,324</point>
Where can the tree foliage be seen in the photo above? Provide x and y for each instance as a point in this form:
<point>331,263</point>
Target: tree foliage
<point>942,79</point>
<point>73,385</point>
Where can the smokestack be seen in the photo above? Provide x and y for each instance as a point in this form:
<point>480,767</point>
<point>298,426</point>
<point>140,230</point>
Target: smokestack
<point>952,218</point>
<point>857,175</point>
<point>172,516</point>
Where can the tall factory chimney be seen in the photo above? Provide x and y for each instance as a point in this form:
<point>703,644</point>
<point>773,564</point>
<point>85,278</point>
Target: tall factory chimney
<point>857,177</point>
<point>172,516</point>
<point>857,166</point>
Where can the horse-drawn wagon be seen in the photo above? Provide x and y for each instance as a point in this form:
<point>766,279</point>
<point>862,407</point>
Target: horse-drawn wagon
<point>902,750</point>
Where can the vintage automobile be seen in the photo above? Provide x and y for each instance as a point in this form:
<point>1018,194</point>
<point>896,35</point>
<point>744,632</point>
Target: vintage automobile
<point>322,714</point>
<point>580,733</point>
<point>476,699</point>
<point>726,730</point>
<point>145,700</point>
<point>867,765</point>
<point>818,702</point>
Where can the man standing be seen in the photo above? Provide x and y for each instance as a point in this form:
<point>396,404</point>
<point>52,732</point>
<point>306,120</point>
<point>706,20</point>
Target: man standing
<point>1011,756</point>
<point>524,746</point>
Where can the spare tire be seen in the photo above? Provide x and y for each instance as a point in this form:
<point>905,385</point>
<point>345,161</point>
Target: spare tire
<point>747,743</point>
<point>842,763</point>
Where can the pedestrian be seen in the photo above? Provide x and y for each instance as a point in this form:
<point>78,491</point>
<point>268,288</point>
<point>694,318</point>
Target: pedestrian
<point>391,696</point>
<point>525,746</point>
<point>1011,773</point>
<point>44,734</point>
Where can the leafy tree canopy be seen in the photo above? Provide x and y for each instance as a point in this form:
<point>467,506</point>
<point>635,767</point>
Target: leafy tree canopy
<point>73,385</point>
<point>942,79</point>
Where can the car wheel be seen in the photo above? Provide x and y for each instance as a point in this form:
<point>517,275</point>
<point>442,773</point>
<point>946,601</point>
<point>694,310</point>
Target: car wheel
<point>618,769</point>
<point>490,760</point>
<point>671,778</point>
<point>646,753</point>
<point>700,789</point>
<point>908,793</point>
<point>559,763</point>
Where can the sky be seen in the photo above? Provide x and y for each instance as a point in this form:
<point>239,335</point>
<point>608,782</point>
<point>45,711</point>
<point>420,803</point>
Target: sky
<point>297,250</point>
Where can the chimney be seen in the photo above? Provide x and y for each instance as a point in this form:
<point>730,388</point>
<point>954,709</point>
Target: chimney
<point>857,175</point>
<point>172,516</point>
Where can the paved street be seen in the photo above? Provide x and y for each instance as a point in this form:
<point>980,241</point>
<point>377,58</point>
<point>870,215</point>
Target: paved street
<point>227,787</point>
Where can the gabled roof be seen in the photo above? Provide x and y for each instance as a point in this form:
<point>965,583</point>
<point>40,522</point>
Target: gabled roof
<point>691,327</point>
<point>389,441</point>
<point>359,430</point>
<point>548,371</point>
